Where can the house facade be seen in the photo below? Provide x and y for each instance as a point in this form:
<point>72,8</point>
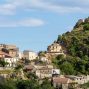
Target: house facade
<point>55,49</point>
<point>61,82</point>
<point>7,58</point>
<point>46,71</point>
<point>29,55</point>
<point>12,62</point>
<point>12,50</point>
<point>79,79</point>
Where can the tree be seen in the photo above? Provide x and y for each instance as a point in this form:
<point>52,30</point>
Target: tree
<point>46,84</point>
<point>41,53</point>
<point>86,26</point>
<point>67,68</point>
<point>85,85</point>
<point>27,61</point>
<point>18,67</point>
<point>31,76</point>
<point>3,63</point>
<point>18,71</point>
<point>8,85</point>
<point>28,84</point>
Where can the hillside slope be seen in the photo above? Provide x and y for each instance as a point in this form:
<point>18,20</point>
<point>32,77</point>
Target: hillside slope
<point>76,44</point>
<point>77,41</point>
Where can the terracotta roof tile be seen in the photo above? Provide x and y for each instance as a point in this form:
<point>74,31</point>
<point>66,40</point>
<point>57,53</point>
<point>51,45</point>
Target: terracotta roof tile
<point>60,80</point>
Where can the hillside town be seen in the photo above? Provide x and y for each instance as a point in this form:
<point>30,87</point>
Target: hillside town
<point>38,63</point>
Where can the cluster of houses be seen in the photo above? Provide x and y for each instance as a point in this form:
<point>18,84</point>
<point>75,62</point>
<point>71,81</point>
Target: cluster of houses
<point>11,54</point>
<point>69,81</point>
<point>45,69</point>
<point>54,75</point>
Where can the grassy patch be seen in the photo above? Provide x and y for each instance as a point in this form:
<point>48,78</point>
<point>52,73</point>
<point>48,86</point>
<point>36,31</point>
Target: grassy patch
<point>5,71</point>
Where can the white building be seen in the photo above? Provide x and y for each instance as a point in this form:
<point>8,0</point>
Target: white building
<point>12,61</point>
<point>79,79</point>
<point>20,55</point>
<point>29,55</point>
<point>7,58</point>
<point>55,71</point>
<point>46,71</point>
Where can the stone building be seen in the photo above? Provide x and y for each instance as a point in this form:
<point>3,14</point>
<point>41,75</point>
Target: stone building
<point>12,62</point>
<point>55,48</point>
<point>12,50</point>
<point>29,55</point>
<point>82,79</point>
<point>46,71</point>
<point>61,82</point>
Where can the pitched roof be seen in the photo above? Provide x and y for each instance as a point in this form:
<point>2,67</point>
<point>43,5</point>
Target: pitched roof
<point>60,80</point>
<point>28,67</point>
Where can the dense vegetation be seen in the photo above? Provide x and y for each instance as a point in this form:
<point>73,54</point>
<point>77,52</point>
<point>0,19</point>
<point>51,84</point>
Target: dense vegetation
<point>85,86</point>
<point>25,84</point>
<point>76,44</point>
<point>21,78</point>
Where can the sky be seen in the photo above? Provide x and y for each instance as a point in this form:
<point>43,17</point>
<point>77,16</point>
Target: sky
<point>35,24</point>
